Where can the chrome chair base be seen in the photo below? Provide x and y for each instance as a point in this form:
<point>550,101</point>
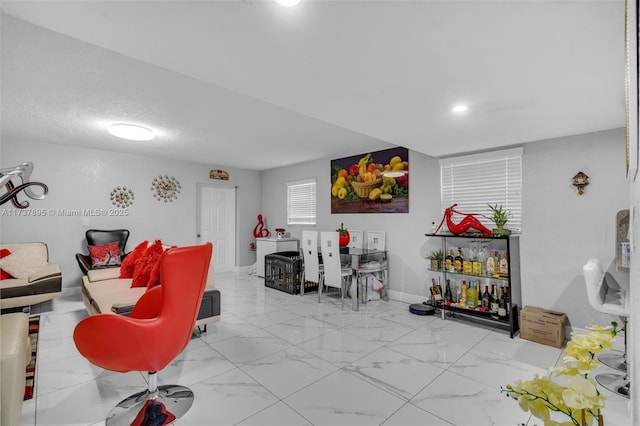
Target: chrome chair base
<point>616,383</point>
<point>616,360</point>
<point>171,403</point>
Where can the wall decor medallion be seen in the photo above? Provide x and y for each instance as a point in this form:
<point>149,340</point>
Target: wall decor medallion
<point>165,188</point>
<point>122,197</point>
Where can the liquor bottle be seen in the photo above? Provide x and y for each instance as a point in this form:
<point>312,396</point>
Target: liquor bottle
<point>478,298</point>
<point>458,261</point>
<point>448,261</point>
<point>507,299</point>
<point>462,302</point>
<point>494,298</point>
<point>486,298</point>
<point>433,228</point>
<point>435,291</point>
<point>502,307</point>
<point>491,265</point>
<point>504,265</point>
<point>472,294</point>
<point>447,293</point>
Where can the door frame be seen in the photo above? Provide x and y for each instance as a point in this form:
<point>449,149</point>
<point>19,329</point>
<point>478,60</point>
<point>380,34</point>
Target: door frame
<point>234,189</point>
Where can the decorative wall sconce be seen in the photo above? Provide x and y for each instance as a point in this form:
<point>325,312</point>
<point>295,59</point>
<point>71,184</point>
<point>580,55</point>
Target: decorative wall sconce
<point>218,174</point>
<point>122,197</point>
<point>165,188</point>
<point>580,180</point>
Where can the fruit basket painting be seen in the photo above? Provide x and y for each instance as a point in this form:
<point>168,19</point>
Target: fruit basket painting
<point>373,182</point>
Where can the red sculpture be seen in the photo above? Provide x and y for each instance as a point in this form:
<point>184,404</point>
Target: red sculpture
<point>260,231</point>
<point>469,221</point>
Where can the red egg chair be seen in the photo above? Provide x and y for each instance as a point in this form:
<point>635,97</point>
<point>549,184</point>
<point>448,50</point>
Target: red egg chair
<point>158,329</point>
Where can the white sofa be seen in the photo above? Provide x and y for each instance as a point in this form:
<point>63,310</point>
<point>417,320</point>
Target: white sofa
<point>104,292</point>
<point>15,355</point>
<point>44,283</point>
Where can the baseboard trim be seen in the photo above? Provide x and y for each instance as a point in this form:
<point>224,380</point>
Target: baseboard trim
<point>405,297</point>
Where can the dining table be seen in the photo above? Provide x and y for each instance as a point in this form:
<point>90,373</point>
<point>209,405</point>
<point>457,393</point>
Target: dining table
<point>356,255</point>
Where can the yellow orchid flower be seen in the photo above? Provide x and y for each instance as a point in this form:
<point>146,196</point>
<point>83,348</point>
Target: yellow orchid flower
<point>580,396</point>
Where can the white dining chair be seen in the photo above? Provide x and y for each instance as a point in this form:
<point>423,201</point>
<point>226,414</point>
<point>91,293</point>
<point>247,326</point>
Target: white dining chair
<point>356,240</point>
<point>312,271</point>
<point>376,240</point>
<point>334,274</point>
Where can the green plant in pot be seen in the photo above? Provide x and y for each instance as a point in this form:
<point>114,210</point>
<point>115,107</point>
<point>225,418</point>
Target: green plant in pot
<point>500,217</point>
<point>436,260</point>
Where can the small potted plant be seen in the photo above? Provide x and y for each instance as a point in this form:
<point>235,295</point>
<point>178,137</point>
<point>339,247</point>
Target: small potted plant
<point>436,260</point>
<point>500,217</point>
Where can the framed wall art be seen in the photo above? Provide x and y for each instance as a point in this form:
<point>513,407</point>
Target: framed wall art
<point>372,182</point>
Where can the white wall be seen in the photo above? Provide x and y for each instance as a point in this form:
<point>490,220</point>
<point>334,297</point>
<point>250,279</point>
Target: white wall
<point>633,335</point>
<point>84,178</point>
<point>561,229</point>
<point>405,236</point>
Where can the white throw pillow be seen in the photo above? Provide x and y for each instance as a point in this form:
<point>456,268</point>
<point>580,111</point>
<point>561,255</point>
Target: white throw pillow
<point>23,262</point>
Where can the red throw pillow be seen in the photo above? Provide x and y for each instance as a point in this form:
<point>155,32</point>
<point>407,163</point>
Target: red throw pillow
<point>154,277</point>
<point>105,255</point>
<point>3,274</point>
<point>129,263</point>
<point>145,265</point>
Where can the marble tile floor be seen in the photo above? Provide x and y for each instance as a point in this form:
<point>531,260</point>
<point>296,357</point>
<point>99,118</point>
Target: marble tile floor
<point>280,359</point>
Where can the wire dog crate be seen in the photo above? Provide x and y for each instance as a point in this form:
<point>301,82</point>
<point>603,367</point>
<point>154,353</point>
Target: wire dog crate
<point>283,271</point>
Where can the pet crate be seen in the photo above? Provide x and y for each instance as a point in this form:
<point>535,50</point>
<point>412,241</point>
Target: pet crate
<point>283,271</point>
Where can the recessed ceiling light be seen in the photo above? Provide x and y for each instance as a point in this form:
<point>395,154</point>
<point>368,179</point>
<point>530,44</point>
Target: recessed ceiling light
<point>288,3</point>
<point>131,131</point>
<point>459,108</point>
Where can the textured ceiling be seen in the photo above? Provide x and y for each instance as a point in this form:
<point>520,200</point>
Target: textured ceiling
<point>251,84</point>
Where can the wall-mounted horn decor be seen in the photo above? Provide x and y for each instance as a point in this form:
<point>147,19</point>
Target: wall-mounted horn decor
<point>22,173</point>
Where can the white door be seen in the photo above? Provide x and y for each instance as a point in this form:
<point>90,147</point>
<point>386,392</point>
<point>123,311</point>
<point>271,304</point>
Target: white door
<point>217,223</point>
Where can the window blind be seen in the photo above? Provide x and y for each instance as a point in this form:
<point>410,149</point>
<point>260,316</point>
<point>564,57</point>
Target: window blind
<point>473,181</point>
<point>301,202</point>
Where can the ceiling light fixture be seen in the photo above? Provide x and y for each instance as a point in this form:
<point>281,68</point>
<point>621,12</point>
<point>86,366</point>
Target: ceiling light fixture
<point>288,3</point>
<point>459,108</point>
<point>131,132</point>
